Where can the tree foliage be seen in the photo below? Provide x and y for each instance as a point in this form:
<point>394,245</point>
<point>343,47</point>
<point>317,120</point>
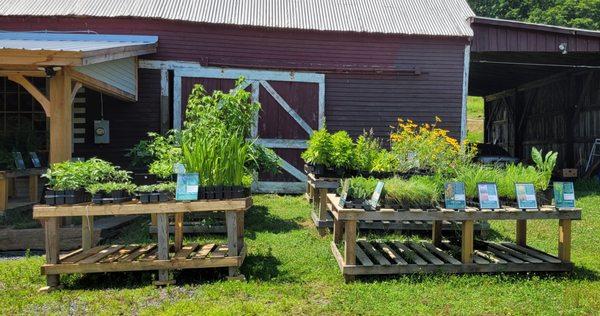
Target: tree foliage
<point>573,13</point>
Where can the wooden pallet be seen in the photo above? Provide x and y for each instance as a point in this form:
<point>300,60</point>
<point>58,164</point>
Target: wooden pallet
<point>195,223</point>
<point>112,258</point>
<point>407,257</point>
<point>482,228</point>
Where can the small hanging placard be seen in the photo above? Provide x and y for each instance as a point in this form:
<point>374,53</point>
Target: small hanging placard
<point>35,160</point>
<point>564,195</point>
<point>525,193</point>
<point>488,196</point>
<point>454,196</point>
<point>344,194</point>
<point>187,187</point>
<point>19,162</point>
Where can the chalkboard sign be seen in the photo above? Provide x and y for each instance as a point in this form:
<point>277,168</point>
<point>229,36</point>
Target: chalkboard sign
<point>454,196</point>
<point>35,160</point>
<point>344,194</point>
<point>525,193</point>
<point>488,196</point>
<point>376,195</point>
<point>19,162</point>
<point>187,187</point>
<point>564,195</point>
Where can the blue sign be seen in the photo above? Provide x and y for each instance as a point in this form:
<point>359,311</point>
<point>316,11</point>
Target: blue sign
<point>488,196</point>
<point>454,196</point>
<point>525,193</point>
<point>187,187</point>
<point>564,195</point>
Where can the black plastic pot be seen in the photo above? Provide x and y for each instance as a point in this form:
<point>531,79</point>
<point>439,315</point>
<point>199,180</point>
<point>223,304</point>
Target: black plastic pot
<point>227,192</point>
<point>49,197</point>
<point>59,197</point>
<point>164,196</point>
<point>145,197</point>
<point>218,192</point>
<point>117,194</point>
<point>154,197</point>
<point>98,197</point>
<point>201,193</point>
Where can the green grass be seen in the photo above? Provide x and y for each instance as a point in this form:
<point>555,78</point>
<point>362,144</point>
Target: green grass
<point>290,270</point>
<point>475,113</point>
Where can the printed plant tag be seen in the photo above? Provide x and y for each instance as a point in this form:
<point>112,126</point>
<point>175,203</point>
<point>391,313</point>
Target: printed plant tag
<point>454,195</point>
<point>525,193</point>
<point>488,196</point>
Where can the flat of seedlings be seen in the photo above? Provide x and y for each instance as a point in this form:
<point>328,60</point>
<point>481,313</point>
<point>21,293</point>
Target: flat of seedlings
<point>408,257</point>
<point>118,258</point>
<point>415,226</point>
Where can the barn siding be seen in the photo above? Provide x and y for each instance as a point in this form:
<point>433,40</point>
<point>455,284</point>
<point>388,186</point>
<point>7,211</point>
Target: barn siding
<point>370,79</point>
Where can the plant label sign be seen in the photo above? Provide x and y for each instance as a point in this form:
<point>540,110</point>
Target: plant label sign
<point>35,160</point>
<point>344,194</point>
<point>19,162</point>
<point>488,196</point>
<point>525,193</point>
<point>564,195</point>
<point>187,187</point>
<point>376,195</point>
<point>454,195</point>
<point>178,168</point>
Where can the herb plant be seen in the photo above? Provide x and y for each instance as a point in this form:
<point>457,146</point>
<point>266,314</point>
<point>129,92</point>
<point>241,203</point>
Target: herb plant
<point>319,148</point>
<point>366,151</point>
<point>342,150</point>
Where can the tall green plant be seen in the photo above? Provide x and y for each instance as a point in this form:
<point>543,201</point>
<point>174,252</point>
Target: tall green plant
<point>366,151</point>
<point>319,148</point>
<point>342,150</point>
<point>545,164</point>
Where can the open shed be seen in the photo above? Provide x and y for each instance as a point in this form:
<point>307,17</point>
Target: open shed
<point>541,86</point>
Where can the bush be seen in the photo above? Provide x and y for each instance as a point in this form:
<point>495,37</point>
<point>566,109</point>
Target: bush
<point>73,175</point>
<point>386,161</point>
<point>319,148</point>
<point>342,152</point>
<point>366,151</point>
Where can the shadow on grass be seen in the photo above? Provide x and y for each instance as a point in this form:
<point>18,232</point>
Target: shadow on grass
<point>258,219</point>
<point>263,267</point>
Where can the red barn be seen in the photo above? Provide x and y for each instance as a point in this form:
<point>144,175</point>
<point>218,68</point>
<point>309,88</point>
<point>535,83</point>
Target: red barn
<point>350,64</point>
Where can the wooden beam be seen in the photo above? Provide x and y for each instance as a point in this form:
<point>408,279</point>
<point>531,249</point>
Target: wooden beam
<point>467,242</point>
<point>61,117</point>
<point>37,94</point>
<point>521,233</point>
<point>564,240</point>
<point>102,86</point>
<point>76,88</point>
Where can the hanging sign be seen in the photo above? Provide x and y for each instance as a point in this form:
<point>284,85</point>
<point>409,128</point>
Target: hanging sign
<point>187,187</point>
<point>454,195</point>
<point>525,193</point>
<point>344,194</point>
<point>564,195</point>
<point>488,196</point>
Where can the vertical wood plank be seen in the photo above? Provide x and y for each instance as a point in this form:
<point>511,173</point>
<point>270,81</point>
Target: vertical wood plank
<point>436,233</point>
<point>316,204</point>
<point>153,219</point>
<point>240,228</point>
<point>162,232</point>
<point>34,188</point>
<point>87,232</point>
<point>61,117</point>
<point>178,231</point>
<point>231,221</point>
<point>521,237</point>
<point>338,230</point>
<point>467,242</point>
<point>3,193</point>
<point>322,204</point>
<point>350,243</point>
<point>51,227</point>
<point>564,240</point>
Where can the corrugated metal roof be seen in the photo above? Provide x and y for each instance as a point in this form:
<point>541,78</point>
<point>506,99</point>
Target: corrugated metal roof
<point>411,17</point>
<point>70,42</point>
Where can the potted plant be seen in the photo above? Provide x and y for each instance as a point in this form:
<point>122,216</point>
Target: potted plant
<point>317,154</point>
<point>111,192</point>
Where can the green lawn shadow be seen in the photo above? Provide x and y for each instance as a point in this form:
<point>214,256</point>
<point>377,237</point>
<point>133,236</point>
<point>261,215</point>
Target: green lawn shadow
<point>259,219</point>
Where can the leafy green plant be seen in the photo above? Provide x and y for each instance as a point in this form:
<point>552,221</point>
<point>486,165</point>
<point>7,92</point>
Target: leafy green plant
<point>385,161</point>
<point>166,151</point>
<point>545,164</point>
<point>73,175</point>
<point>342,150</point>
<point>110,186</point>
<point>159,187</point>
<point>360,188</point>
<point>141,154</point>
<point>262,159</point>
<point>366,152</point>
<point>319,148</point>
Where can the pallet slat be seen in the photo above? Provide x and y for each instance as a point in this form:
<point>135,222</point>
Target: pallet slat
<point>409,254</point>
<point>424,253</point>
<point>440,253</point>
<point>504,255</point>
<point>532,252</point>
<point>84,254</point>
<point>368,247</point>
<point>219,252</point>
<point>119,254</point>
<point>137,253</point>
<point>490,257</point>
<point>515,253</point>
<point>101,254</point>
<point>204,251</point>
<point>362,257</point>
<point>392,254</point>
<point>185,251</point>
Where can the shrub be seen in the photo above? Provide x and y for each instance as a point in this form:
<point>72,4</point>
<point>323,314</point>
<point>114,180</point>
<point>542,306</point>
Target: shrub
<point>386,161</point>
<point>342,153</point>
<point>361,188</point>
<point>319,148</point>
<point>366,152</point>
<point>73,175</point>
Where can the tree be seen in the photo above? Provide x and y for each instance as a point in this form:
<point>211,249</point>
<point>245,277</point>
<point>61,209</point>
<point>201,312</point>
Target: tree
<point>573,13</point>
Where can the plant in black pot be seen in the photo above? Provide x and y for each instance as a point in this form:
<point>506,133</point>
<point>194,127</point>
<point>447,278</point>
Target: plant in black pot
<point>66,181</point>
<point>317,154</point>
<point>342,154</point>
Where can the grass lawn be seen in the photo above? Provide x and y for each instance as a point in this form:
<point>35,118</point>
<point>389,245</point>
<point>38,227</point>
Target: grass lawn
<point>475,119</point>
<point>290,270</point>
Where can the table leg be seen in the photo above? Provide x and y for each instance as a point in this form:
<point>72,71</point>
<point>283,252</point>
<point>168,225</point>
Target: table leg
<point>178,231</point>
<point>316,203</point>
<point>350,243</point>
<point>87,232</point>
<point>231,221</point>
<point>436,233</point>
<point>3,194</point>
<point>521,237</point>
<point>33,188</point>
<point>564,240</point>
<point>338,231</point>
<point>153,219</point>
<point>322,204</point>
<point>240,227</point>
<point>51,230</point>
<point>162,232</point>
<point>467,242</point>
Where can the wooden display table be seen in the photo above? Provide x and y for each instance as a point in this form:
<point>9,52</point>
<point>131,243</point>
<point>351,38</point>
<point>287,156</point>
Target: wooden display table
<point>6,182</point>
<point>318,188</point>
<point>160,256</point>
<point>467,256</point>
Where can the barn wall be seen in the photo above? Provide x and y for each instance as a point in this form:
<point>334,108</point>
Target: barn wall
<point>561,114</point>
<point>370,79</point>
